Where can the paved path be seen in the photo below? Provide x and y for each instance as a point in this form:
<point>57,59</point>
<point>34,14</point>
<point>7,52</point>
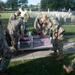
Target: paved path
<point>68,48</point>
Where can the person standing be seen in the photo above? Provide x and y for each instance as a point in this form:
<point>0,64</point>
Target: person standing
<point>12,17</point>
<point>15,30</point>
<point>4,52</point>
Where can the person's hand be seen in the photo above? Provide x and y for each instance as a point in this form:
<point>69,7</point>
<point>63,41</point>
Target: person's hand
<point>56,34</point>
<point>22,36</point>
<point>5,51</point>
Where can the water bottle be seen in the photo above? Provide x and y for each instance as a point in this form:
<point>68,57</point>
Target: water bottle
<point>31,37</point>
<point>29,33</point>
<point>18,44</point>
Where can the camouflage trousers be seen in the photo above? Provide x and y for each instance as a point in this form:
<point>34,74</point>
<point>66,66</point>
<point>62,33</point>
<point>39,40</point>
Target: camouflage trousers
<point>72,65</point>
<point>14,41</point>
<point>5,55</point>
<point>57,45</point>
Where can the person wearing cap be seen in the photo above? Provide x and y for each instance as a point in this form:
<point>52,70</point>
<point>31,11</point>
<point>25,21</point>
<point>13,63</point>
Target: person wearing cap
<point>15,30</point>
<point>5,54</point>
<point>26,15</point>
<point>43,24</point>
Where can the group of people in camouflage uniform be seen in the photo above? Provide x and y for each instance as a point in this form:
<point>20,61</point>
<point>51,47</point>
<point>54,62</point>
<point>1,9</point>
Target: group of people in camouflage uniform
<point>42,25</point>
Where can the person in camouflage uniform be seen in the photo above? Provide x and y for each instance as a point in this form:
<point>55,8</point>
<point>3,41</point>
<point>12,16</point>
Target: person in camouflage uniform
<point>71,67</point>
<point>4,51</point>
<point>11,18</point>
<point>42,25</point>
<point>15,30</point>
<point>26,15</point>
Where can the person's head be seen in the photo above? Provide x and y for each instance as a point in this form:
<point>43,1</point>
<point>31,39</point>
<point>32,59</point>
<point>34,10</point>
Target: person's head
<point>44,18</point>
<point>22,7</point>
<point>17,13</point>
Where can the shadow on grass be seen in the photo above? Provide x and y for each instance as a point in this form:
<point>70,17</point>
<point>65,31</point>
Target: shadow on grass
<point>5,23</point>
<point>40,66</point>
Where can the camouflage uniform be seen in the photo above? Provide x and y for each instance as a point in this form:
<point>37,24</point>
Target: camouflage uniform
<point>12,17</point>
<point>72,65</point>
<point>54,27</point>
<point>57,42</point>
<point>4,51</point>
<point>14,29</point>
<point>40,27</point>
<point>8,38</point>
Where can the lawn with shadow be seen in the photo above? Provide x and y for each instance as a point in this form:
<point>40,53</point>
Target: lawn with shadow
<point>41,66</point>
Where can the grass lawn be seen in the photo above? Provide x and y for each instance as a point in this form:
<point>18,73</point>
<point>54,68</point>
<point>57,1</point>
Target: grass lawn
<point>69,29</point>
<point>41,66</point>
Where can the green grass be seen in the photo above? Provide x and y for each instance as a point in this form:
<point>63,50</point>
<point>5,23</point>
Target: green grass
<point>41,66</point>
<point>69,29</point>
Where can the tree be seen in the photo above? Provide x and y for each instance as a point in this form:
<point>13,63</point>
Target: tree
<point>57,4</point>
<point>23,2</point>
<point>2,5</point>
<point>12,4</point>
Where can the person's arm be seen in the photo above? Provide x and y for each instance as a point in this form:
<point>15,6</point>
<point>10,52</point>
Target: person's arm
<point>36,23</point>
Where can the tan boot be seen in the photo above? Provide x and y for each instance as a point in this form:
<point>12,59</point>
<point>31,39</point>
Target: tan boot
<point>60,57</point>
<point>66,69</point>
<point>12,48</point>
<point>54,53</point>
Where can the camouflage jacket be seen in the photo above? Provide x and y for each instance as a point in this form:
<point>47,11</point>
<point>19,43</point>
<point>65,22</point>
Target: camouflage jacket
<point>14,27</point>
<point>3,43</point>
<point>52,25</point>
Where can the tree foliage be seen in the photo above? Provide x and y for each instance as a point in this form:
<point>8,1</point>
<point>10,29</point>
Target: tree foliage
<point>2,5</point>
<point>12,3</point>
<point>23,1</point>
<point>57,4</point>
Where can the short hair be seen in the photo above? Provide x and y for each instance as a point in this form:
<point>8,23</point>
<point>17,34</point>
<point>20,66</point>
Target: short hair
<point>18,12</point>
<point>44,15</point>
